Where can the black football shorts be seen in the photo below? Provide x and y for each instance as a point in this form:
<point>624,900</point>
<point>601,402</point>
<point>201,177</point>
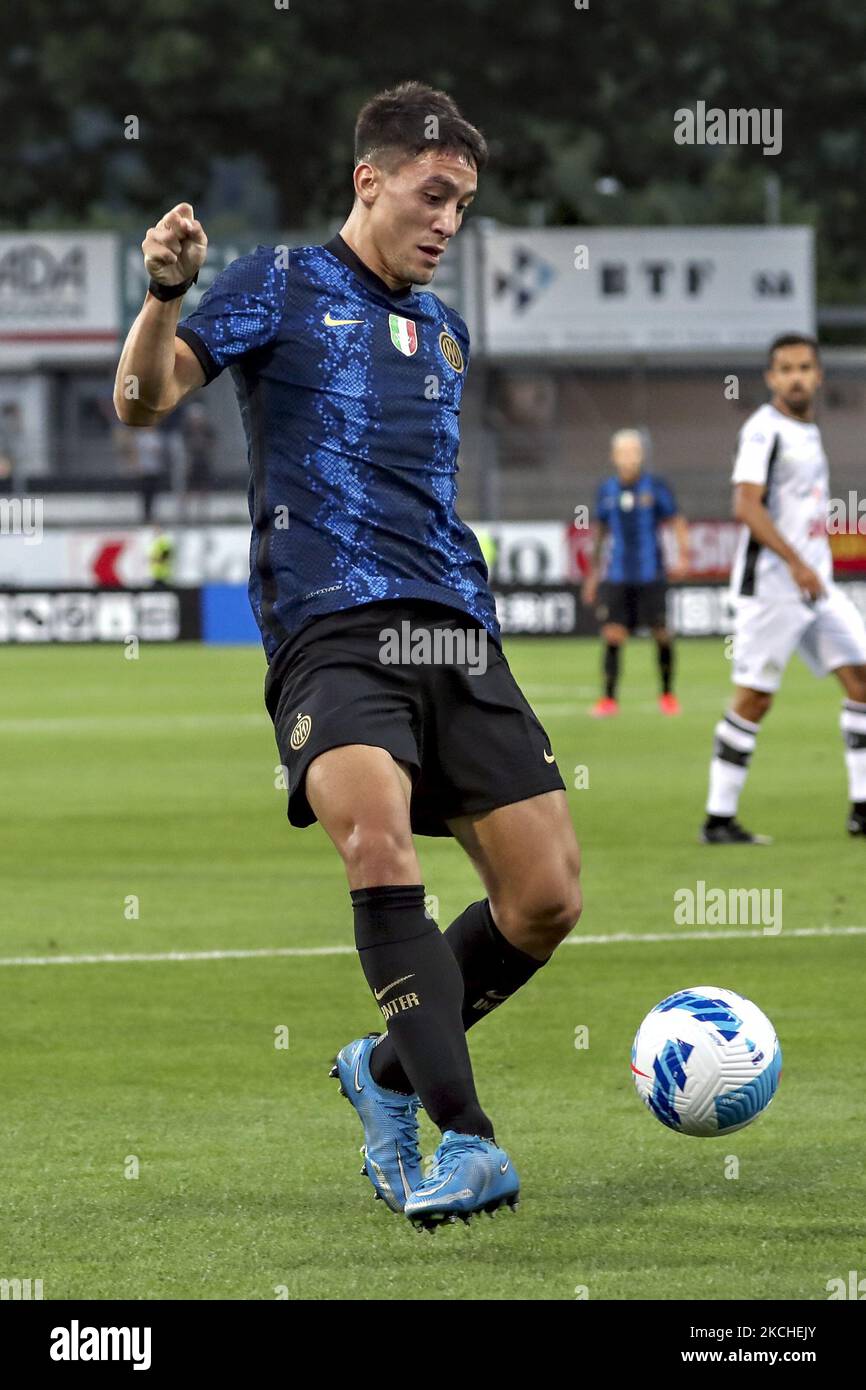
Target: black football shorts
<point>633,605</point>
<point>468,735</point>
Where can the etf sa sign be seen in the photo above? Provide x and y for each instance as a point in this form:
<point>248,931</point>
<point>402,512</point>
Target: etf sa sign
<point>590,291</point>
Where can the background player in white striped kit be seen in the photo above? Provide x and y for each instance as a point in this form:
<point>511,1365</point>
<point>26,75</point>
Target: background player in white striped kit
<point>782,588</point>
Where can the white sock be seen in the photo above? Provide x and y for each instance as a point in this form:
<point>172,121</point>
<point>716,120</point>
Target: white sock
<point>732,752</point>
<point>852,722</point>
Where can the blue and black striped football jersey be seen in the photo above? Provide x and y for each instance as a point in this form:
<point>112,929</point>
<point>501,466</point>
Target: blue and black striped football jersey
<point>633,513</point>
<point>350,399</point>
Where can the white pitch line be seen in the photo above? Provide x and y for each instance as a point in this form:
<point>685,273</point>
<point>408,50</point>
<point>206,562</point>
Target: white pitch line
<point>268,952</point>
<point>613,937</point>
<point>120,723</point>
<point>136,957</point>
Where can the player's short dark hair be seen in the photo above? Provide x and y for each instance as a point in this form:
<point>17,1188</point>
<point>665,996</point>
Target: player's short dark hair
<point>791,340</point>
<point>394,126</point>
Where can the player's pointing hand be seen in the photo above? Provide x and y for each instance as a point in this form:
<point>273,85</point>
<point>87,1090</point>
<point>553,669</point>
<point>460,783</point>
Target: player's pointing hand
<point>175,249</point>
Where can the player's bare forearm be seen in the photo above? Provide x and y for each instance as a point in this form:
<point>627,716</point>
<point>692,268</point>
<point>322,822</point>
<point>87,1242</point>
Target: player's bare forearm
<point>599,534</point>
<point>157,370</point>
<point>749,508</point>
<point>143,386</point>
<point>755,515</point>
<point>590,583</point>
<point>681,534</point>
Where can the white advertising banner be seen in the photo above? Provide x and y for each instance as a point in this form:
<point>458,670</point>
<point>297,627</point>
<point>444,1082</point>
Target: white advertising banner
<point>591,291</point>
<point>523,552</point>
<point>119,558</point>
<point>58,297</point>
<point>526,553</point>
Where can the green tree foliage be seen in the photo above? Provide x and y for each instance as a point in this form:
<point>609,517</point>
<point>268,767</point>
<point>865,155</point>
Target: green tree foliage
<point>566,96</point>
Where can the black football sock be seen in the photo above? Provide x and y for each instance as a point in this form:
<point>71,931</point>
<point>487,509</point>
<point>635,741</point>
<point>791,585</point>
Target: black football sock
<point>666,665</point>
<point>418,987</point>
<point>611,671</point>
<point>492,971</point>
<point>492,968</point>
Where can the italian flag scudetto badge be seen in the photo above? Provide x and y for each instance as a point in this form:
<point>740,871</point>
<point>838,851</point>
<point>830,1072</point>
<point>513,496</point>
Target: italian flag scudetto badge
<point>404,335</point>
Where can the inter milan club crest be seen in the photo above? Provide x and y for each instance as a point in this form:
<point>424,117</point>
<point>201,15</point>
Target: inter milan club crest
<point>301,731</point>
<point>404,335</point>
<point>450,349</point>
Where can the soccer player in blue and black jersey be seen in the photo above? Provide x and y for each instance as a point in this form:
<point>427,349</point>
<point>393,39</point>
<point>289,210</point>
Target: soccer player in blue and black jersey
<point>349,381</point>
<point>630,507</point>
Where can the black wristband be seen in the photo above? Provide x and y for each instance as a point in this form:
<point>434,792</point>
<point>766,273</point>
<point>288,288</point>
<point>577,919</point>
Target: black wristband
<point>166,292</point>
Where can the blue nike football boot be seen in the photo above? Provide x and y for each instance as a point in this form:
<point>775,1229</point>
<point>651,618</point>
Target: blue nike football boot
<point>392,1159</point>
<point>469,1175</point>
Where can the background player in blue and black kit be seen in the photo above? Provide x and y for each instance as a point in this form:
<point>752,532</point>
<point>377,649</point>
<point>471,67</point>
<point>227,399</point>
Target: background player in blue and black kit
<point>349,382</point>
<point>629,509</point>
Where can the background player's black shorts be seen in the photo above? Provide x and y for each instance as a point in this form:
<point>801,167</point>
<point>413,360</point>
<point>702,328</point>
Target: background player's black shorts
<point>471,741</point>
<point>633,605</point>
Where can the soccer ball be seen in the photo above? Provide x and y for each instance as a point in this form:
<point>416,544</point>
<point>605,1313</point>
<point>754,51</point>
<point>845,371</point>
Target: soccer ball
<point>706,1061</point>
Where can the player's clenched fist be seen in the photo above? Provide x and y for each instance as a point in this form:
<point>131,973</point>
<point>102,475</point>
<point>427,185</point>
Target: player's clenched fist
<point>175,249</point>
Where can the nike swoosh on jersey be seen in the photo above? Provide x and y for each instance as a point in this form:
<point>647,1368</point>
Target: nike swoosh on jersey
<point>335,323</point>
<point>379,992</point>
<point>549,757</point>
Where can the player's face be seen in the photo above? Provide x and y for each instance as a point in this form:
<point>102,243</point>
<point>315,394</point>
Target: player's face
<point>794,377</point>
<point>627,458</point>
<point>418,209</point>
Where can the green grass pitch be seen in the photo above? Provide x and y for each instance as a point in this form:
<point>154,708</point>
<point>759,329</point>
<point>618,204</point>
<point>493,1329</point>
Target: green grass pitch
<point>155,778</point>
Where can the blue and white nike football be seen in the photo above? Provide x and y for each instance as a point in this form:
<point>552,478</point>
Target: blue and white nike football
<point>706,1061</point>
